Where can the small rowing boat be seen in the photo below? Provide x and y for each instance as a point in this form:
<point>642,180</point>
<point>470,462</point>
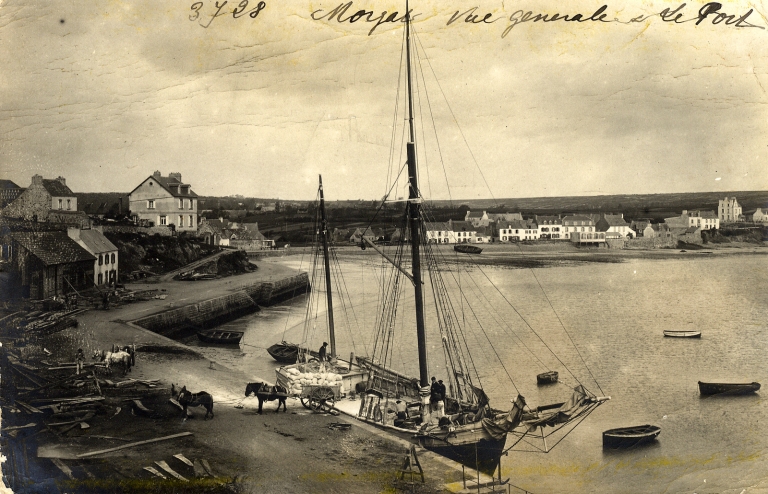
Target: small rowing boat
<point>467,249</point>
<point>547,377</point>
<point>627,437</point>
<point>221,337</point>
<point>682,334</point>
<point>731,388</point>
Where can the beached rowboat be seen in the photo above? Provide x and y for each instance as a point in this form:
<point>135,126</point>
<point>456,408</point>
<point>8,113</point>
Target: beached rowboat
<point>731,388</point>
<point>547,377</point>
<point>222,337</point>
<point>627,437</point>
<point>467,249</point>
<point>682,334</point>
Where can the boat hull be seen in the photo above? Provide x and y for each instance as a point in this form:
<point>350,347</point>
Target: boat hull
<point>219,337</point>
<point>681,334</point>
<point>547,378</point>
<point>285,353</point>
<point>467,249</point>
<point>472,448</point>
<point>716,388</point>
<point>628,437</point>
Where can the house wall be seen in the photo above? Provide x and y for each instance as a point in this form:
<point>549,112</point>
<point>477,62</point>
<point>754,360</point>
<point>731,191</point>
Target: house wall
<point>166,208</point>
<point>107,269</point>
<point>33,203</point>
<point>68,203</point>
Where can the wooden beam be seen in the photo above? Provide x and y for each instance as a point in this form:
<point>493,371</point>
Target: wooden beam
<point>164,466</point>
<point>130,445</point>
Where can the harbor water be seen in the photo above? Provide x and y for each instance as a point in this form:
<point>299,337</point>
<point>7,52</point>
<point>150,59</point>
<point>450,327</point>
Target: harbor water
<point>599,324</point>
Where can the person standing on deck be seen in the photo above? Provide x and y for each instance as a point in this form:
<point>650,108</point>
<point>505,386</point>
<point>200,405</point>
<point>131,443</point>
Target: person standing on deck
<point>441,401</point>
<point>79,359</point>
<point>323,356</point>
<point>434,395</point>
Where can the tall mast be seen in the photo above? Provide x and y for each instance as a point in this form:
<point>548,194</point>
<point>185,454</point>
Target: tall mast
<point>324,235</point>
<point>414,215</point>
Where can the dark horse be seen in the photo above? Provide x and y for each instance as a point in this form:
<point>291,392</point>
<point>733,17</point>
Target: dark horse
<point>265,392</point>
<point>188,399</point>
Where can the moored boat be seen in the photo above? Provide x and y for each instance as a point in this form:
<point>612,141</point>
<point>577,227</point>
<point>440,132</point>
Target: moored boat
<point>627,437</point>
<point>547,377</point>
<point>672,333</point>
<point>287,353</point>
<point>724,387</point>
<point>220,337</point>
<point>467,249</point>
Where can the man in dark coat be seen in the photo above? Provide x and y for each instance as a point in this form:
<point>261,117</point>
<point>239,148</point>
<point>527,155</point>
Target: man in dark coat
<point>323,356</point>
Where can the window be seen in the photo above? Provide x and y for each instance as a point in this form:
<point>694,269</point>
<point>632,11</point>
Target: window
<point>113,258</point>
<point>181,220</point>
<point>101,261</point>
<point>69,206</point>
<point>181,203</point>
<point>60,204</point>
<point>163,220</point>
<point>150,203</point>
<point>106,258</point>
<point>191,222</point>
<point>101,279</point>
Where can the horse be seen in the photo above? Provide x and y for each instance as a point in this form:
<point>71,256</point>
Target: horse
<point>265,392</point>
<point>122,358</point>
<point>188,399</point>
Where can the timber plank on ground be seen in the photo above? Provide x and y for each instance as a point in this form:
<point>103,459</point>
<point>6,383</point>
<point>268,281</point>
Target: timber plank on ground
<point>130,445</point>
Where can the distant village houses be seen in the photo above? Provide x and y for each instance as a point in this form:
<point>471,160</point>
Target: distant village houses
<point>165,201</point>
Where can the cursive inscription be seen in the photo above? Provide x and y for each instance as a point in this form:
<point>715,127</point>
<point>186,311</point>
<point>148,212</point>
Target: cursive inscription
<point>368,16</point>
<point>237,12</point>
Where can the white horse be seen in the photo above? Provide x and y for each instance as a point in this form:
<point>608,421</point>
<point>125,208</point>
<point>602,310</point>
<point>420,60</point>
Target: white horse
<point>121,358</point>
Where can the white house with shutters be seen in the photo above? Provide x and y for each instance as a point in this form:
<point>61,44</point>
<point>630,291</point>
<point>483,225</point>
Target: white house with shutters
<point>165,201</point>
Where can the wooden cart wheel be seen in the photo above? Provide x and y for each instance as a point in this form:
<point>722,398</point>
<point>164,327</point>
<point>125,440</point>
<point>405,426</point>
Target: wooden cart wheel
<point>305,401</point>
<point>321,397</point>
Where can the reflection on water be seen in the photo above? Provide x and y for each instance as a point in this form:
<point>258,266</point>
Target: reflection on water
<point>615,315</point>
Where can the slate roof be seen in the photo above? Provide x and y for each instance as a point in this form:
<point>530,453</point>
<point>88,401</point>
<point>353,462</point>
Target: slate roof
<point>57,189</point>
<point>615,220</point>
<point>95,242</point>
<point>548,220</point>
<point>475,214</point>
<point>463,226</point>
<point>52,247</point>
<point>437,227</point>
<point>172,185</point>
<point>7,184</point>
<point>518,225</point>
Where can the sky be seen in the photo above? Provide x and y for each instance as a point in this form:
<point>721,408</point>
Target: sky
<point>105,93</point>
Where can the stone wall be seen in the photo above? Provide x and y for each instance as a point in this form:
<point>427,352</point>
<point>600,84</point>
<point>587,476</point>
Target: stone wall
<point>164,231</point>
<point>651,243</point>
<point>210,313</point>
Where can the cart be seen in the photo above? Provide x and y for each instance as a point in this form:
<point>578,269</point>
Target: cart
<point>316,397</point>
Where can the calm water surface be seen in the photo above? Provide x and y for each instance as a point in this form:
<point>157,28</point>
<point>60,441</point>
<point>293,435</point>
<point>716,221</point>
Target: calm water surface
<point>614,314</point>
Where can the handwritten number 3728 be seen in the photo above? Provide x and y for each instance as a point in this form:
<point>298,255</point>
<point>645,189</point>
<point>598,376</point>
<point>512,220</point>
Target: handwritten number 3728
<point>237,12</point>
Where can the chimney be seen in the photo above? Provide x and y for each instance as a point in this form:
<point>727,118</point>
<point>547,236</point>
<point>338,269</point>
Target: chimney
<point>37,180</point>
<point>74,233</point>
<point>157,174</point>
<point>685,211</point>
<point>62,180</point>
<point>175,175</point>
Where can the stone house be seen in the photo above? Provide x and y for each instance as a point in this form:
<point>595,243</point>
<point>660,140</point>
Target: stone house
<point>165,201</point>
<point>44,200</point>
<point>440,232</point>
<point>463,231</point>
<point>477,218</point>
<point>105,266</point>
<point>359,234</point>
<point>49,264</point>
<point>515,231</point>
<point>758,215</point>
<point>707,220</point>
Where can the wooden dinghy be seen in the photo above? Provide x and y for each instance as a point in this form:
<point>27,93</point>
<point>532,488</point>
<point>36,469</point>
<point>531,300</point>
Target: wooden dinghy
<point>627,437</point>
<point>288,353</point>
<point>221,337</point>
<point>547,378</point>
<point>724,387</point>
<point>467,249</point>
<point>672,333</point>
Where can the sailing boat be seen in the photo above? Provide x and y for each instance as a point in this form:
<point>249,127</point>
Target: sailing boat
<point>290,353</point>
<point>469,431</point>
